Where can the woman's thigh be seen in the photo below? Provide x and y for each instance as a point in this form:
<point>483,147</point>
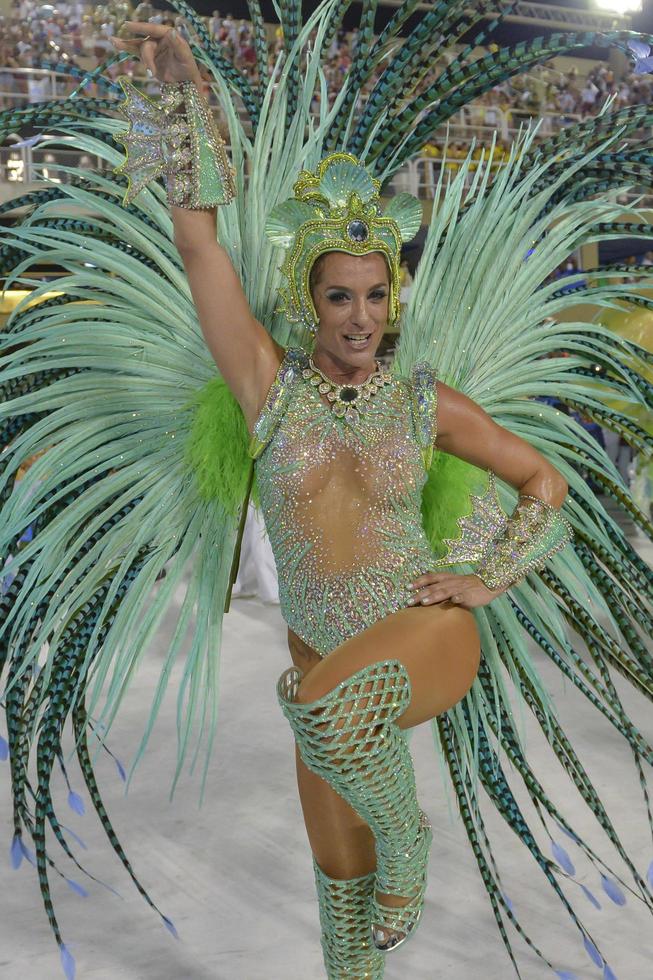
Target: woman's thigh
<point>438,645</point>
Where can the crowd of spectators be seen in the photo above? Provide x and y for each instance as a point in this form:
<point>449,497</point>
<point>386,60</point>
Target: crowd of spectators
<point>79,33</point>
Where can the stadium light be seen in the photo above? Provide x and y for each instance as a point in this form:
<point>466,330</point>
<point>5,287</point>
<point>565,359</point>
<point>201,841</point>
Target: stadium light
<point>620,6</point>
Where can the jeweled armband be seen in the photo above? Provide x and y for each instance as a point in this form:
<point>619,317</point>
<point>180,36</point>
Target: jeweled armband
<point>175,137</point>
<point>532,534</point>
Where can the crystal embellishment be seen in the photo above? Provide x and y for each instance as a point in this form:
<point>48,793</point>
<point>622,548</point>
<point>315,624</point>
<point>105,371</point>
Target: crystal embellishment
<point>506,548</point>
<point>175,137</point>
<point>358,231</point>
<point>277,399</point>
<point>348,402</point>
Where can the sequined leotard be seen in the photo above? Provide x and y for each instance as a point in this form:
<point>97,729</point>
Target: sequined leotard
<point>342,500</point>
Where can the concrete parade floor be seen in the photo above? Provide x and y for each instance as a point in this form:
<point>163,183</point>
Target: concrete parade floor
<point>235,876</point>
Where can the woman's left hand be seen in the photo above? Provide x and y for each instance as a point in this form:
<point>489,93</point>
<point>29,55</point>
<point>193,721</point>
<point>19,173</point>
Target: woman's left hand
<point>463,590</point>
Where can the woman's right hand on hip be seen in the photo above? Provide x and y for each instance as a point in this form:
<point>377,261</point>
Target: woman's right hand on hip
<point>163,51</point>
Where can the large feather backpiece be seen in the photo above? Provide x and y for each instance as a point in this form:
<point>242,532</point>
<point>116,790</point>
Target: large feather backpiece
<point>486,280</point>
<point>138,451</point>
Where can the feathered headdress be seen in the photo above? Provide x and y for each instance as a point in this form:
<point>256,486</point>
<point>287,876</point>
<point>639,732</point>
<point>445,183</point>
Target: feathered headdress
<point>337,208</point>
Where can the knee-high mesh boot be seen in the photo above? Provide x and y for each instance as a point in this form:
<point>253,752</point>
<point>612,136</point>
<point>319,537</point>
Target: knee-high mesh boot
<point>349,737</point>
<point>349,953</point>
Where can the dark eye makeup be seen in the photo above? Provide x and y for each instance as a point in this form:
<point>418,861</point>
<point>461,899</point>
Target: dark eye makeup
<point>338,296</point>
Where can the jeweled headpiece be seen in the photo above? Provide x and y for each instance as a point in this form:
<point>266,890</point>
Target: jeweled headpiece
<point>338,208</point>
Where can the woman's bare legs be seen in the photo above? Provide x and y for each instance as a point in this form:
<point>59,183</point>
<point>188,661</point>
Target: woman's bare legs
<point>340,840</point>
<point>344,851</point>
<point>440,649</point>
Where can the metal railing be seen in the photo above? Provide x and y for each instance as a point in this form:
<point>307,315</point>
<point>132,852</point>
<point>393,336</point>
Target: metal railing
<point>22,86</point>
<point>22,166</point>
<point>29,160</point>
<point>26,164</point>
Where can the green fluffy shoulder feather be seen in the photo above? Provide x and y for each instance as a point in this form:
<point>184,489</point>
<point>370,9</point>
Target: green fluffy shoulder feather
<point>446,497</point>
<point>218,447</point>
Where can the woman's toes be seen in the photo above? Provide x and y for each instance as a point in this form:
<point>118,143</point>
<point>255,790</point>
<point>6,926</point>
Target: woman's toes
<point>386,939</point>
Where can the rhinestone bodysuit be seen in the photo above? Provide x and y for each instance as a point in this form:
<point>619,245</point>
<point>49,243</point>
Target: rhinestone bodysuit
<point>342,500</point>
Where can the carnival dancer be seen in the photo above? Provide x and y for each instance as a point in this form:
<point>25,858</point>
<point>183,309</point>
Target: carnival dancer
<point>402,605</point>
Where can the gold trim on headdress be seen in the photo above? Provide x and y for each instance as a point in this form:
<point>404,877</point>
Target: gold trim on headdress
<point>337,208</point>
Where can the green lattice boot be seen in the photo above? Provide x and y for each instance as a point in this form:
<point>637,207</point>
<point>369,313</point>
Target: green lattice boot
<point>350,739</point>
<point>349,953</point>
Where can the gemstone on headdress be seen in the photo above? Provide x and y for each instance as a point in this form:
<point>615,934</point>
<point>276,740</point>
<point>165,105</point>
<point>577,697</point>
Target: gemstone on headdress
<point>358,231</point>
<point>348,394</point>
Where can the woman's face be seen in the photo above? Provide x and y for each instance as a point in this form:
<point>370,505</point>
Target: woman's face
<point>350,294</point>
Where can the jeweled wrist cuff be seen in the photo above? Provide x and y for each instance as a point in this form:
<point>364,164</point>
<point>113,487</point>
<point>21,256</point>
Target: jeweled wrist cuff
<point>178,138</point>
<point>532,534</point>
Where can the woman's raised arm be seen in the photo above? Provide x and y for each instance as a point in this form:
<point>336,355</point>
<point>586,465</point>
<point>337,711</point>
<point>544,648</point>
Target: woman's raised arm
<point>245,353</point>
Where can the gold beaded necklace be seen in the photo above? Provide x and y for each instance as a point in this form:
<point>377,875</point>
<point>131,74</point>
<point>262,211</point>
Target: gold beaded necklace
<point>347,401</point>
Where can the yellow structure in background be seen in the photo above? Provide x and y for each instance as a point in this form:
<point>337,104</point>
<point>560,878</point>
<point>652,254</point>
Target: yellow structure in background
<point>636,324</point>
<point>10,298</point>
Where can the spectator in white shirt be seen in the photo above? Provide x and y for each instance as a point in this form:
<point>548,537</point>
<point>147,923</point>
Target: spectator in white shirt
<point>588,97</point>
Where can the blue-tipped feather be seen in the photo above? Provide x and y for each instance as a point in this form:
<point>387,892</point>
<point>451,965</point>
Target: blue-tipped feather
<point>16,853</point>
<point>121,770</point>
<point>27,536</point>
<point>608,974</point>
<point>67,962</point>
<point>562,858</point>
<point>76,803</point>
<point>508,902</point>
<point>77,888</point>
<point>565,975</point>
<point>595,902</point>
<point>170,926</point>
<point>649,876</point>
<point>569,833</point>
<point>4,749</point>
<point>592,951</point>
<point>74,836</point>
<point>612,890</point>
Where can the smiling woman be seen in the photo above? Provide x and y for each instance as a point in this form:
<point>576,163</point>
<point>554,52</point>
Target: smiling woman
<point>350,295</point>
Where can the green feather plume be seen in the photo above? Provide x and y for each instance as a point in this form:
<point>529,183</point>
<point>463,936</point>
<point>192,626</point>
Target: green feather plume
<point>217,447</point>
<point>446,497</point>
